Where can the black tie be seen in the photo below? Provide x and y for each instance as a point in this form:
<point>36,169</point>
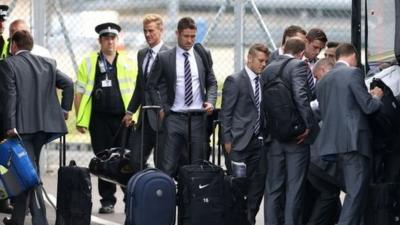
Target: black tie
<point>188,81</point>
<point>149,56</point>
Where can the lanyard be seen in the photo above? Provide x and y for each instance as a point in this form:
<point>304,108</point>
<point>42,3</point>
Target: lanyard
<point>105,64</point>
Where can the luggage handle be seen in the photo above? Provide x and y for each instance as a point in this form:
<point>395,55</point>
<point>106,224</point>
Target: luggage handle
<point>156,108</point>
<point>189,127</point>
<point>216,123</point>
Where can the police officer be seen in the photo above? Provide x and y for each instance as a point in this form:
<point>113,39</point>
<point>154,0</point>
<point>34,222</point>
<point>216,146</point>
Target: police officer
<point>4,47</point>
<point>104,87</point>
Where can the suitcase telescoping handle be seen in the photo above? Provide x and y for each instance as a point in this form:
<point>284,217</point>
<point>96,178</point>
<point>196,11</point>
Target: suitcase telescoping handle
<point>190,113</point>
<point>62,151</point>
<point>157,109</point>
<point>215,124</point>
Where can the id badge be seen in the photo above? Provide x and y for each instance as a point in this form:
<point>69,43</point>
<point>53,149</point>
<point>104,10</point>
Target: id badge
<point>106,83</point>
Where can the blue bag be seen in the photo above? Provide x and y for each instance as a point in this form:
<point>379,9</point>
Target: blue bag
<point>18,173</point>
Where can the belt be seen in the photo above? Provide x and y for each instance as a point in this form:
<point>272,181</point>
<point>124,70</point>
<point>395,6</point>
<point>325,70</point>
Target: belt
<point>187,113</point>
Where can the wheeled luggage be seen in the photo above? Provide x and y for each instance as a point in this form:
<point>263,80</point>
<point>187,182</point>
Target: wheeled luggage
<point>200,190</point>
<point>74,192</point>
<point>150,194</point>
<point>18,172</point>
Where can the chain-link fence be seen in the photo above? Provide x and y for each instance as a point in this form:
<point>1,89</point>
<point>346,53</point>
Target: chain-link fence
<point>69,32</point>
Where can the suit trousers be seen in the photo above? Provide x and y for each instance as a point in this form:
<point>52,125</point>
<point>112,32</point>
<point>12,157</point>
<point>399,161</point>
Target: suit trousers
<point>31,198</point>
<point>103,128</point>
<point>149,142</point>
<point>285,185</point>
<point>176,139</point>
<point>356,176</point>
<point>254,158</point>
<point>327,205</point>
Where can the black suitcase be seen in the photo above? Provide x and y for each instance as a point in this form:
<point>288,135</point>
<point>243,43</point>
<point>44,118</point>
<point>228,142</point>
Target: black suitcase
<point>200,191</point>
<point>150,195</point>
<point>74,192</point>
<point>383,206</point>
<point>235,212</point>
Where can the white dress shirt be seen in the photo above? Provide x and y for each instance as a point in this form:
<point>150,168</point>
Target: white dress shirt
<point>252,76</point>
<point>155,49</point>
<point>179,103</point>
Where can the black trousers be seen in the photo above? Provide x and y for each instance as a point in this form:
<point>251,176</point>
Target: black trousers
<point>254,158</point>
<point>31,198</point>
<point>103,128</point>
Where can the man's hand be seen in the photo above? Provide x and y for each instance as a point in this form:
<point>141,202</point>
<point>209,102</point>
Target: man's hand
<point>301,137</point>
<point>377,92</point>
<point>66,115</point>
<point>208,107</point>
<point>228,147</point>
<point>161,114</point>
<point>11,132</point>
<point>127,120</point>
<point>81,130</point>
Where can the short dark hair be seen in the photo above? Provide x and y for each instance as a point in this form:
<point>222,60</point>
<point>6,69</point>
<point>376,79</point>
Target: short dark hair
<point>291,31</point>
<point>186,23</point>
<point>260,48</point>
<point>23,40</point>
<point>294,46</point>
<point>345,49</point>
<point>332,44</point>
<point>316,34</point>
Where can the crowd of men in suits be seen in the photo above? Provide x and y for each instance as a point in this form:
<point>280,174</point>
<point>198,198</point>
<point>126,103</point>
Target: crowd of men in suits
<point>329,94</point>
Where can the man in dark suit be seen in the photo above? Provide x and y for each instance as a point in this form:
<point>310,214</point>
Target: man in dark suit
<point>288,160</point>
<point>32,109</point>
<point>180,82</point>
<point>153,30</point>
<point>289,32</point>
<point>344,137</point>
<point>242,121</point>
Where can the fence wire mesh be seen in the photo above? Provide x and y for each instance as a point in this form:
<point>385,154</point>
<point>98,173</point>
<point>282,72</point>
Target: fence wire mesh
<point>69,33</point>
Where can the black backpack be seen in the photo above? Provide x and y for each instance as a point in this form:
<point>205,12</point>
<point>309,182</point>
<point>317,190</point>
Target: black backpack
<point>385,123</point>
<point>283,119</point>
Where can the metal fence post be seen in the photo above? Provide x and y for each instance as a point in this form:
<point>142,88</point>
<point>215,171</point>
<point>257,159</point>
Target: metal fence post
<point>39,21</point>
<point>239,38</point>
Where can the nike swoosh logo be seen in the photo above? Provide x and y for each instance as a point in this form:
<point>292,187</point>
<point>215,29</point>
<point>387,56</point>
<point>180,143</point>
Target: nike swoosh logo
<point>203,186</point>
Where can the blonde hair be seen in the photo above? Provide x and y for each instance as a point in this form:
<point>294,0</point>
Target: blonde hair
<point>149,18</point>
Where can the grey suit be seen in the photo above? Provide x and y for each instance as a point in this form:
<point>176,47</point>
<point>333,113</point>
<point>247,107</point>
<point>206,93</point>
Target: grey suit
<point>161,86</point>
<point>141,97</point>
<point>344,102</point>
<point>32,107</point>
<point>238,119</point>
<point>288,161</point>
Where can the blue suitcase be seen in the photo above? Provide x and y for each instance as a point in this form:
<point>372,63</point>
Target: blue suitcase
<point>151,199</point>
<point>18,173</point>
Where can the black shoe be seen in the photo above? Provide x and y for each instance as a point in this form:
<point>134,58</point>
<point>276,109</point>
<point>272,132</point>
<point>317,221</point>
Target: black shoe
<point>8,221</point>
<point>106,209</point>
<point>5,207</point>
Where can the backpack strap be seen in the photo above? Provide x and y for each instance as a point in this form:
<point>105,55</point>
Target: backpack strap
<point>207,61</point>
<point>283,67</point>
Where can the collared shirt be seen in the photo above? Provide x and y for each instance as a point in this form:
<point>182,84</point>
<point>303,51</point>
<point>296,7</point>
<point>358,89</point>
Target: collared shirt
<point>252,76</point>
<point>280,51</point>
<point>290,55</point>
<point>155,50</point>
<point>21,51</point>
<point>179,103</point>
<point>344,62</point>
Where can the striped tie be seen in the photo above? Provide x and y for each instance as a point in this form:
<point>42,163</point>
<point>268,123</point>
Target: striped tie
<point>310,78</point>
<point>257,99</point>
<point>149,57</point>
<point>188,81</point>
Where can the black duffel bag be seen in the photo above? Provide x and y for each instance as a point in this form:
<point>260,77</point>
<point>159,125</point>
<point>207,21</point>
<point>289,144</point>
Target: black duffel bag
<point>114,164</point>
<point>385,123</point>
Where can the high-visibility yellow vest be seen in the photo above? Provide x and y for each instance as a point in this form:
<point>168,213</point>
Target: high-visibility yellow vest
<point>126,75</point>
<point>4,52</point>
